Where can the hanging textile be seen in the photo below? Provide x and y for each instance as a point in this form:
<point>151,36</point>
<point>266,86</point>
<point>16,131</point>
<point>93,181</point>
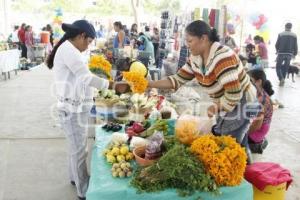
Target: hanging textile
<point>183,55</point>
<point>222,21</point>
<point>176,25</point>
<point>217,20</point>
<point>212,16</point>
<point>197,14</point>
<point>205,15</point>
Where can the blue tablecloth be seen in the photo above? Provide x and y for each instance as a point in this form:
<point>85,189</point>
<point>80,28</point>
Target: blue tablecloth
<point>104,187</point>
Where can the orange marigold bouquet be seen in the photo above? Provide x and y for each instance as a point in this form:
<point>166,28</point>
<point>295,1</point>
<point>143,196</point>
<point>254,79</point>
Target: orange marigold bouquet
<point>223,158</point>
<point>137,81</point>
<point>99,65</point>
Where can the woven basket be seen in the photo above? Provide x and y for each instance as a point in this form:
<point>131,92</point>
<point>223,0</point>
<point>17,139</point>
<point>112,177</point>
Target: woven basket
<point>140,110</point>
<point>100,102</point>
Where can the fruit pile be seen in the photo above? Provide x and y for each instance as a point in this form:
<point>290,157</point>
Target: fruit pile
<point>110,126</point>
<point>108,94</point>
<point>122,169</point>
<point>117,152</point>
<point>135,128</point>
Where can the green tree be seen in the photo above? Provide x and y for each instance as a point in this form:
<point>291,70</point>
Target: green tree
<point>156,7</point>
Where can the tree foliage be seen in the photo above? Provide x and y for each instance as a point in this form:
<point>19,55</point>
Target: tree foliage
<point>99,7</point>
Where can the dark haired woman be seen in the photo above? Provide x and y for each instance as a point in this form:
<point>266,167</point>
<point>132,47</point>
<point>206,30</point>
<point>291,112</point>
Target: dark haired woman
<point>119,39</point>
<point>219,71</point>
<point>29,42</point>
<point>134,32</point>
<point>262,51</point>
<point>261,124</point>
<point>74,84</point>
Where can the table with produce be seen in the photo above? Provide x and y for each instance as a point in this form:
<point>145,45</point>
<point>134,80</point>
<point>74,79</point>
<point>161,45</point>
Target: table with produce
<point>145,151</point>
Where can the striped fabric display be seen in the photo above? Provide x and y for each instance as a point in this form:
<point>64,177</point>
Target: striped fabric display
<point>224,78</point>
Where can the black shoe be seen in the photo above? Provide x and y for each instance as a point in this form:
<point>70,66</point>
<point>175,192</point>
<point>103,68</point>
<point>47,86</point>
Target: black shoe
<point>73,183</point>
<point>81,198</point>
<point>256,148</point>
<point>264,144</point>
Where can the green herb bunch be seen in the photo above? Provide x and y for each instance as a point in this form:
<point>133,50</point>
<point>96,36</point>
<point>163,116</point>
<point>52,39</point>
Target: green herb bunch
<point>178,168</point>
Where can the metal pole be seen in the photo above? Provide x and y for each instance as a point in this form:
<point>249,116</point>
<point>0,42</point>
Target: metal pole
<point>5,5</point>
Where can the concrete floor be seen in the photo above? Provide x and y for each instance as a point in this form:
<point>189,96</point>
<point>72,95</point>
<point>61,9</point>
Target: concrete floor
<point>33,151</point>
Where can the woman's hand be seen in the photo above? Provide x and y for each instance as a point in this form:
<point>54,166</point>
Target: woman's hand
<point>212,110</point>
<point>121,87</point>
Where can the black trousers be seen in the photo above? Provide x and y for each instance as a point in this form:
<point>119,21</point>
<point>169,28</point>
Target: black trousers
<point>282,66</point>
<point>24,50</point>
<point>156,45</point>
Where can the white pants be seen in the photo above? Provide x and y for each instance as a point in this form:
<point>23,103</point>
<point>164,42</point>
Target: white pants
<point>30,52</point>
<point>75,127</point>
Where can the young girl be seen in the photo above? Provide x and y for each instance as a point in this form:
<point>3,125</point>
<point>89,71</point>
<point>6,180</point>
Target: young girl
<point>262,51</point>
<point>29,42</point>
<point>74,84</point>
<point>261,125</point>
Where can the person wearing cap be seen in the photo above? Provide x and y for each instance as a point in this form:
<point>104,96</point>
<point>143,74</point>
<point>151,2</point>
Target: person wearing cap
<point>286,48</point>
<point>74,83</point>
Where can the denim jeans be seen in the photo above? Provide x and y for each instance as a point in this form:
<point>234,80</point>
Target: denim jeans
<point>237,123</point>
<point>282,65</point>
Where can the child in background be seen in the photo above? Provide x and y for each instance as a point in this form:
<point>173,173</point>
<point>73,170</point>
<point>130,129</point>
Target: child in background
<point>250,48</point>
<point>262,51</point>
<point>261,125</point>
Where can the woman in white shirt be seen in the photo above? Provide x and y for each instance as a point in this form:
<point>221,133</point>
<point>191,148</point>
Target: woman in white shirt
<point>74,83</point>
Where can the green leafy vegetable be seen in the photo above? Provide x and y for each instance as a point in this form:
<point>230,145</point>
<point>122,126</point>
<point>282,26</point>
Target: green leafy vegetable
<point>178,169</point>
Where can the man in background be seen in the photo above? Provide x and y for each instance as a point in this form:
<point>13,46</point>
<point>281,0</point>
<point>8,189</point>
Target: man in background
<point>21,35</point>
<point>286,49</point>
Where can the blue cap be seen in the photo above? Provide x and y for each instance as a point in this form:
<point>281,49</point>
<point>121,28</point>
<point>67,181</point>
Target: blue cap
<point>82,25</point>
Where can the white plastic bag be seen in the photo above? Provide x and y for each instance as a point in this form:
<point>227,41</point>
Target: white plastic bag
<point>204,123</point>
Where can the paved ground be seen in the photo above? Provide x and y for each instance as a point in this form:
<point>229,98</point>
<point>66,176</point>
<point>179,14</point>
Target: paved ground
<point>33,150</point>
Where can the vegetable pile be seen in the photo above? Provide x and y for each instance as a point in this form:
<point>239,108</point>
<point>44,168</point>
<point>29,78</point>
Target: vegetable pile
<point>178,169</point>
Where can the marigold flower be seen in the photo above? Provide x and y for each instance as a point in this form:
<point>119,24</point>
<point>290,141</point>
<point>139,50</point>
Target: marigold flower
<point>138,83</point>
<point>223,158</point>
<point>98,64</point>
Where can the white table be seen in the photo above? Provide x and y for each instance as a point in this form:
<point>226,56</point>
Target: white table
<point>9,61</point>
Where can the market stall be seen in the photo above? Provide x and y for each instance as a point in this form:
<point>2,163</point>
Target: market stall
<point>9,61</point>
<point>144,150</point>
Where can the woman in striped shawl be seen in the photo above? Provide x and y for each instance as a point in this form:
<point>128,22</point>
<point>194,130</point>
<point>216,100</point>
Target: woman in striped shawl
<point>220,73</point>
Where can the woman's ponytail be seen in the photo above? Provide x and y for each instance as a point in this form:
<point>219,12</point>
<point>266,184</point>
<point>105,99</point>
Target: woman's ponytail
<point>72,33</point>
<point>50,58</point>
<point>214,37</point>
<point>268,87</point>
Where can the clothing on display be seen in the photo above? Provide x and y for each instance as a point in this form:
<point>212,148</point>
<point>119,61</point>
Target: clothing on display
<point>205,15</point>
<point>217,19</point>
<point>183,55</point>
<point>212,17</point>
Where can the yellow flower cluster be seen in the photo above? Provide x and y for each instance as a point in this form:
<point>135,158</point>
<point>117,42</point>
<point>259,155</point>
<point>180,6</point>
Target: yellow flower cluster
<point>223,158</point>
<point>98,64</point>
<point>138,83</point>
